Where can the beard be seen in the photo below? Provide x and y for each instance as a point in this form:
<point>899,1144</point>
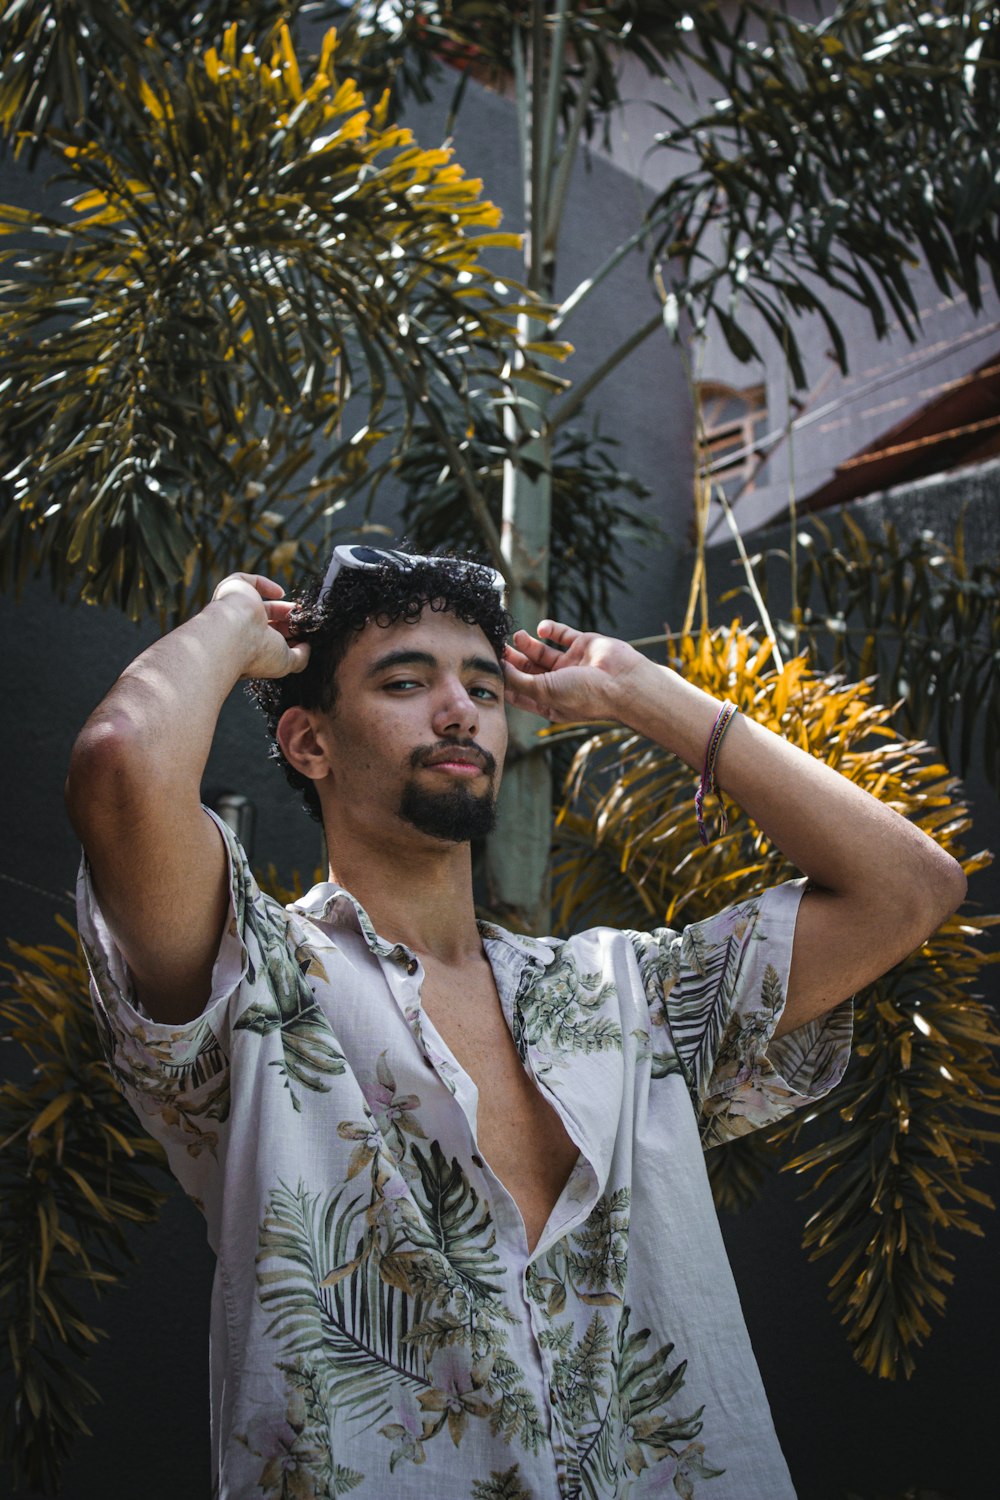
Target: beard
<point>455,814</point>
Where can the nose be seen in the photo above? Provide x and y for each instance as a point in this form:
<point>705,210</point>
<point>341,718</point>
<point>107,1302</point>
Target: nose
<point>454,711</point>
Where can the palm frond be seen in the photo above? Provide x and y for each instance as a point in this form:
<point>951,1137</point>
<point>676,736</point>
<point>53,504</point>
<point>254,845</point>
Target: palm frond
<point>821,168</point>
<point>246,248</point>
<point>921,616</point>
<point>892,1149</point>
<point>74,1177</point>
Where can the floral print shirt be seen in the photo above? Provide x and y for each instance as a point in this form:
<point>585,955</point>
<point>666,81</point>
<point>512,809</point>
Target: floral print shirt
<point>379,1327</point>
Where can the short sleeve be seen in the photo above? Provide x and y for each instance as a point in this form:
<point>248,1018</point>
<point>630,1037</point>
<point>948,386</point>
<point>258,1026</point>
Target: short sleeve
<point>716,991</point>
<point>177,1077</point>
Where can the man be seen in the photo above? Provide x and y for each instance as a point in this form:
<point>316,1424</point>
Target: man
<point>453,1176</point>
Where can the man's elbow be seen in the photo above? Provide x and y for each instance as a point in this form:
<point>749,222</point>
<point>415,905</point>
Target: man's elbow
<point>102,767</point>
<point>957,887</point>
<point>937,890</point>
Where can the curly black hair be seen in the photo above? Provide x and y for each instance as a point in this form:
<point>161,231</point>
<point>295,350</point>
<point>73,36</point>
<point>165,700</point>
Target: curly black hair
<point>330,620</point>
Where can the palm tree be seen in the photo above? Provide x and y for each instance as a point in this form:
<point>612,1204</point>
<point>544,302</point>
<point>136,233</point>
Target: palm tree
<point>245,251</point>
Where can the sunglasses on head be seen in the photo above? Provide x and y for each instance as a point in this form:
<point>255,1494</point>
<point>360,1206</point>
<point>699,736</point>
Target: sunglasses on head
<point>366,558</point>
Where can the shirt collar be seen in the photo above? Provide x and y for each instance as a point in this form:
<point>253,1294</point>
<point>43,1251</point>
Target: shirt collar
<point>331,903</point>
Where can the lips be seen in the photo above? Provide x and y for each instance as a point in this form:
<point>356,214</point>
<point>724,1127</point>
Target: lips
<point>466,758</point>
<point>456,758</point>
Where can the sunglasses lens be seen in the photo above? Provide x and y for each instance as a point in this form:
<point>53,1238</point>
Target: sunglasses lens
<point>372,557</point>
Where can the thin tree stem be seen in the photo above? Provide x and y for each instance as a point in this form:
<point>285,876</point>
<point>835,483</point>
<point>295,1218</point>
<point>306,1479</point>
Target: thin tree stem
<point>536,271</point>
<point>557,61</point>
<point>573,403</point>
<point>571,145</point>
<point>583,291</point>
<point>752,581</point>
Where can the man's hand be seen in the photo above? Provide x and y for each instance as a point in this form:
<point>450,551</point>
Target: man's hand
<point>267,630</point>
<point>568,675</point>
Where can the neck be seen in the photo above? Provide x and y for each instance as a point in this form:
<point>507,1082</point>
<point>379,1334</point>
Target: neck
<point>416,890</point>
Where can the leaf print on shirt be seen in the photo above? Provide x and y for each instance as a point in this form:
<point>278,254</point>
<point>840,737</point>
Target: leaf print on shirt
<point>745,1092</point>
<point>394,1112</point>
<point>462,1274</point>
<point>613,1401</point>
<point>456,1394</point>
<point>457,1224</point>
<point>745,1038</point>
<point>457,1230</point>
<point>690,981</point>
<point>184,1094</point>
<point>393,1297</point>
<point>345,1328</point>
<point>309,1052</point>
<point>503,1484</point>
<point>596,1269</point>
<point>558,1012</point>
<point>298,1461</point>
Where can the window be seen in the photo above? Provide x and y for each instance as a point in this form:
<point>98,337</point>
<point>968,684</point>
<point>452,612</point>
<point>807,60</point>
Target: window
<point>733,424</point>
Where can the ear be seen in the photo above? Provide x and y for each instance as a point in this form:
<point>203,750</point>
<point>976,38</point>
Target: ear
<point>296,734</point>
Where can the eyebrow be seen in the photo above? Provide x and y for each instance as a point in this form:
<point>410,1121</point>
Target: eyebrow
<point>484,664</point>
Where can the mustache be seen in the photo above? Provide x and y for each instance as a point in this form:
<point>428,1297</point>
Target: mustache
<point>424,752</point>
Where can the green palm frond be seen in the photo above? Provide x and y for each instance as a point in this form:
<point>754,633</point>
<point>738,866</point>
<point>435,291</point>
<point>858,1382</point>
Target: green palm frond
<point>891,1150</point>
<point>596,507</point>
<point>923,616</point>
<point>56,55</point>
<point>826,167</point>
<point>246,248</point>
<point>407,42</point>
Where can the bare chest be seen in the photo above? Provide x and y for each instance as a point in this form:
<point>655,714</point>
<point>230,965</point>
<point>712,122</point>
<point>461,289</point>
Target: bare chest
<point>518,1131</point>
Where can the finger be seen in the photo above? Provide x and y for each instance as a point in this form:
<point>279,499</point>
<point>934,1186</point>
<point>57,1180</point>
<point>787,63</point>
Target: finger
<point>539,652</point>
<point>279,613</point>
<point>518,659</point>
<point>265,587</point>
<point>528,704</point>
<point>555,631</point>
<point>523,690</point>
<point>298,657</point>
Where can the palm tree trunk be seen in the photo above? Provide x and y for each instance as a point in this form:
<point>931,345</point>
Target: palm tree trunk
<point>517,857</point>
<point>517,861</point>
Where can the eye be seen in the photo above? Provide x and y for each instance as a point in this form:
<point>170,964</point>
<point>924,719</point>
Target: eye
<point>487,693</point>
<point>400,683</point>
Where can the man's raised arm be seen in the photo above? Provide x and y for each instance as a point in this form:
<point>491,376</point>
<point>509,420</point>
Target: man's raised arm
<point>133,791</point>
<point>878,885</point>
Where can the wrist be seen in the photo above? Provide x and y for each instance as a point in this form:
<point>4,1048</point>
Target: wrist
<point>234,620</point>
<point>660,704</point>
<point>625,679</point>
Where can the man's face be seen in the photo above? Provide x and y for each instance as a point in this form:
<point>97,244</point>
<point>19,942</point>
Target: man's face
<point>418,731</point>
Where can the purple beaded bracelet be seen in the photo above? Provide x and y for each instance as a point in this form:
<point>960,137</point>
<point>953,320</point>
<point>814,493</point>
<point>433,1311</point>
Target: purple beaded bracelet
<point>726,714</point>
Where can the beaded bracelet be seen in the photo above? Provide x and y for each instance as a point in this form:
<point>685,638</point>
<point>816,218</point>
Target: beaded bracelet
<point>726,714</point>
